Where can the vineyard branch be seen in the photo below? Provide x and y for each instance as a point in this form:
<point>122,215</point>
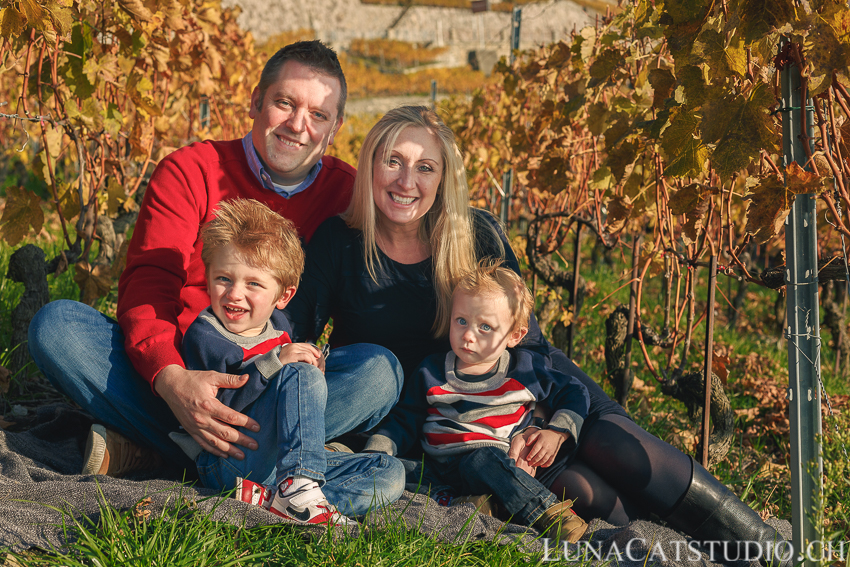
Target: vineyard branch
<point>836,145</point>
<point>40,118</point>
<point>638,323</point>
<point>836,172</point>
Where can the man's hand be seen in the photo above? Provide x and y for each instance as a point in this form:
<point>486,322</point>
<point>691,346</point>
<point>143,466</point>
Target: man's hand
<point>191,396</point>
<point>302,352</point>
<point>519,452</point>
<point>543,446</point>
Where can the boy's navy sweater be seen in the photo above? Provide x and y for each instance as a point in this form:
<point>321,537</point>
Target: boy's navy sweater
<point>208,345</point>
<point>456,416</point>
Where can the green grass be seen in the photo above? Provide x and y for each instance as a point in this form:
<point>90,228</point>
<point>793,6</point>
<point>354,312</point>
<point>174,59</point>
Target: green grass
<point>182,535</point>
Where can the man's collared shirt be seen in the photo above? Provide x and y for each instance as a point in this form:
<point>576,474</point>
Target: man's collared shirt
<point>263,176</point>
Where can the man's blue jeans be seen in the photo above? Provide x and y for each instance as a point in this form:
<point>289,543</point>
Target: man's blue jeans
<point>486,470</point>
<point>81,351</point>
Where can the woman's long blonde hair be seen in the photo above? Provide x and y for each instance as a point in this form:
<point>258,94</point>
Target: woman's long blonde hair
<point>446,227</point>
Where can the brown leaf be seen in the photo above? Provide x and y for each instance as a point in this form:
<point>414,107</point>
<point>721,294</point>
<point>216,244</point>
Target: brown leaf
<point>719,364</point>
<point>663,82</point>
<point>94,283</point>
<point>61,265</point>
<point>768,207</point>
<point>22,211</point>
<point>120,261</point>
<point>799,181</point>
<point>6,424</point>
<point>687,199</point>
<point>619,209</point>
<point>5,378</point>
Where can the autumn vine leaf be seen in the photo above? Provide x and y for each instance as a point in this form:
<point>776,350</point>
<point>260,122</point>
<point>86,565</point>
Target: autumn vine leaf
<point>22,213</point>
<point>93,281</point>
<point>748,128</point>
<point>770,200</point>
<point>663,82</point>
<point>691,201</point>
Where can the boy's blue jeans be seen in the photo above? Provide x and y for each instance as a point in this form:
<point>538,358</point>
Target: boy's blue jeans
<point>487,470</point>
<point>81,351</point>
<point>291,413</point>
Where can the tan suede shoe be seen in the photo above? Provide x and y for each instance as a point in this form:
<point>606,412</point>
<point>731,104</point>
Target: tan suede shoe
<point>560,522</point>
<point>112,454</point>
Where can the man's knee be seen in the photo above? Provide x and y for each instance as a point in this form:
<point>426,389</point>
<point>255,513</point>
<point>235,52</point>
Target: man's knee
<point>382,374</point>
<point>48,326</point>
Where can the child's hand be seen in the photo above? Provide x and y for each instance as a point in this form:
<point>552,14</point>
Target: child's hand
<point>543,446</point>
<point>519,451</point>
<point>301,352</point>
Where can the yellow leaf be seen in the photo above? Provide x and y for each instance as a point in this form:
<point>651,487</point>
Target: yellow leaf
<point>137,9</point>
<point>63,19</point>
<point>115,195</point>
<point>69,200</point>
<point>161,55</point>
<point>11,23</point>
<point>22,211</point>
<point>206,85</point>
<point>33,12</point>
<point>53,136</point>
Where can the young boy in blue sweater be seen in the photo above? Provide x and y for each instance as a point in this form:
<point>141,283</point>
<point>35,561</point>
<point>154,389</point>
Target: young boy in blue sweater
<point>468,405</point>
<point>253,260</point>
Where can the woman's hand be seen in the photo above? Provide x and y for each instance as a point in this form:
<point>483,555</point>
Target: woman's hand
<point>543,446</point>
<point>302,352</point>
<point>191,396</point>
<point>519,451</point>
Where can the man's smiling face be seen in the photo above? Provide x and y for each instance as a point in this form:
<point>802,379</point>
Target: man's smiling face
<point>295,121</point>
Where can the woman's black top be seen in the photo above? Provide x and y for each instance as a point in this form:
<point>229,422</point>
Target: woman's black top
<point>398,310</point>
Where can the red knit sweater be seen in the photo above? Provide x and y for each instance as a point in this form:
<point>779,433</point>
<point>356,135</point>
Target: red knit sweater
<point>163,289</point>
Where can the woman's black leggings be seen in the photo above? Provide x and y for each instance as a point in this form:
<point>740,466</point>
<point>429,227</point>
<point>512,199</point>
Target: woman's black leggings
<point>622,473</point>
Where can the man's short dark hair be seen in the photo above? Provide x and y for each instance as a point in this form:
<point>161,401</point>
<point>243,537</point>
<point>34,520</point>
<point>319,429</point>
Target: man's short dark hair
<point>313,54</point>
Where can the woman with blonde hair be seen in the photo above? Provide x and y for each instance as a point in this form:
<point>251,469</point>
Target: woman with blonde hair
<point>384,272</point>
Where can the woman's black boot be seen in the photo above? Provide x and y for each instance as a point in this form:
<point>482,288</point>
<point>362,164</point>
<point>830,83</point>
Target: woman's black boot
<point>729,530</point>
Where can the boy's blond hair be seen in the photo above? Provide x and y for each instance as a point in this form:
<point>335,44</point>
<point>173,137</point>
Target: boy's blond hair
<point>265,240</point>
<point>490,277</point>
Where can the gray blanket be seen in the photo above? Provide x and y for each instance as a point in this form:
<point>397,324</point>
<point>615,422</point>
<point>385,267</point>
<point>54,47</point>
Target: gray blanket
<point>39,491</point>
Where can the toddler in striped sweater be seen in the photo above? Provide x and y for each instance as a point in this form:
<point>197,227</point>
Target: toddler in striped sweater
<point>467,405</point>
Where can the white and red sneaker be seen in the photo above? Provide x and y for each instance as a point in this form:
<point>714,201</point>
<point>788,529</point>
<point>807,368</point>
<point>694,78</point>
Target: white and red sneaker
<point>307,505</point>
<point>254,493</point>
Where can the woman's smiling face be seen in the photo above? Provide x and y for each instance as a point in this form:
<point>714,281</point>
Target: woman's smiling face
<point>405,186</point>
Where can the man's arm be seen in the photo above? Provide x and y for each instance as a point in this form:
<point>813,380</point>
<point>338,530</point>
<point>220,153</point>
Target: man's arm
<point>151,301</point>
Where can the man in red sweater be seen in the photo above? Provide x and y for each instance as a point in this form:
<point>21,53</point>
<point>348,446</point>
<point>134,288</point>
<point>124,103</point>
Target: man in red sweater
<point>130,374</point>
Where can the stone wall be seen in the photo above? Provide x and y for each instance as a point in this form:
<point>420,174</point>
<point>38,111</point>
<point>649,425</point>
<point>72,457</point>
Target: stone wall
<point>339,21</point>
